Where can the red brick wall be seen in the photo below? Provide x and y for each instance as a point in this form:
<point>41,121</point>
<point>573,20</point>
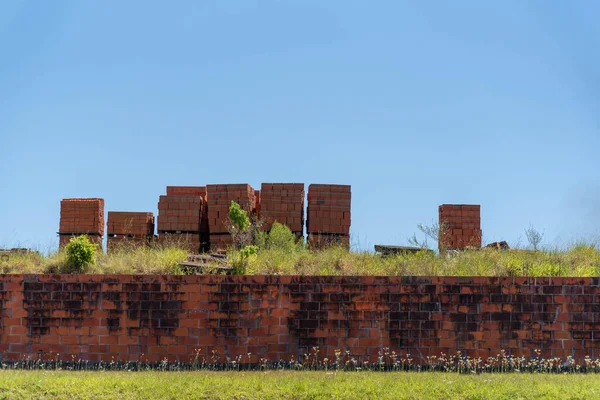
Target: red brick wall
<point>124,317</point>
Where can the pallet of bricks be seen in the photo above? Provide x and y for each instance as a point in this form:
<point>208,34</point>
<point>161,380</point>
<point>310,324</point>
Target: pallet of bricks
<point>182,218</point>
<point>283,203</point>
<point>84,216</point>
<point>328,220</point>
<point>129,229</point>
<point>219,200</point>
<point>460,227</point>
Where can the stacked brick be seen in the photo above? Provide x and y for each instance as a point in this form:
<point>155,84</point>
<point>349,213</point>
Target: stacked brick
<point>182,217</point>
<point>219,200</point>
<point>460,227</point>
<point>129,229</point>
<point>283,203</point>
<point>257,202</point>
<point>84,216</point>
<point>328,219</point>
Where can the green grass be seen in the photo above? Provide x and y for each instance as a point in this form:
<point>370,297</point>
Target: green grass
<point>127,260</point>
<point>581,260</point>
<point>293,385</point>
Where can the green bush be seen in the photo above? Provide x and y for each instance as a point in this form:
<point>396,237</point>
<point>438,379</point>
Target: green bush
<point>80,253</point>
<point>248,251</point>
<point>280,238</point>
<point>241,258</point>
<point>238,217</point>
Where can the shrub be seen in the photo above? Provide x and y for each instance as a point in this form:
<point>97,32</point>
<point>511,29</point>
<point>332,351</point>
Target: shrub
<point>238,225</point>
<point>238,217</point>
<point>280,238</point>
<point>240,259</point>
<point>80,253</point>
<point>534,237</point>
<point>249,251</point>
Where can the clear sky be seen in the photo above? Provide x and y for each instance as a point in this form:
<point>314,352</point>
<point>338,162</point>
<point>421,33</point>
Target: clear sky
<point>413,103</point>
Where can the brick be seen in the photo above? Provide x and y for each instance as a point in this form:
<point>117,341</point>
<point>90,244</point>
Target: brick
<point>279,316</point>
<point>462,227</point>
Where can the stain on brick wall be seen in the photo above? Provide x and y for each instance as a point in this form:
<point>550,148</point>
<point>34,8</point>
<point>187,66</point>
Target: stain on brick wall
<point>151,317</point>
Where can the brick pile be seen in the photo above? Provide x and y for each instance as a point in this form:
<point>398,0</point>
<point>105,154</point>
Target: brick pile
<point>283,203</point>
<point>130,228</point>
<point>257,203</point>
<point>328,214</point>
<point>219,200</point>
<point>182,217</point>
<point>460,227</point>
<point>82,216</point>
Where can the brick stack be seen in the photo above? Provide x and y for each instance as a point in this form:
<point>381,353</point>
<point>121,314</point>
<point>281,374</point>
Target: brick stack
<point>460,227</point>
<point>283,203</point>
<point>328,219</point>
<point>81,217</point>
<point>130,228</point>
<point>182,217</point>
<point>257,203</point>
<point>219,200</point>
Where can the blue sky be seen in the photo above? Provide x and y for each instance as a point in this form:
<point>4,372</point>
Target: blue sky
<point>414,104</point>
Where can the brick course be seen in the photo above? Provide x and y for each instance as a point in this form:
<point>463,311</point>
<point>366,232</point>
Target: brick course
<point>128,317</point>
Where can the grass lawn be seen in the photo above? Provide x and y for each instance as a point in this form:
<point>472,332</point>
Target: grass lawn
<point>293,385</point>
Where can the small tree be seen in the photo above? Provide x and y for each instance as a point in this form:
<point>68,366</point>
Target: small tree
<point>80,253</point>
<point>534,237</point>
<point>435,231</point>
<point>238,217</point>
<point>238,224</point>
<point>280,237</point>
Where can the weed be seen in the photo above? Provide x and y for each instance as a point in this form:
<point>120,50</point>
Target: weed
<point>581,260</point>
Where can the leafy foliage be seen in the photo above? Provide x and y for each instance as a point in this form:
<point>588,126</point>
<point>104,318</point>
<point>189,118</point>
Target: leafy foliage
<point>249,251</point>
<point>240,259</point>
<point>281,238</point>
<point>238,217</point>
<point>80,253</point>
